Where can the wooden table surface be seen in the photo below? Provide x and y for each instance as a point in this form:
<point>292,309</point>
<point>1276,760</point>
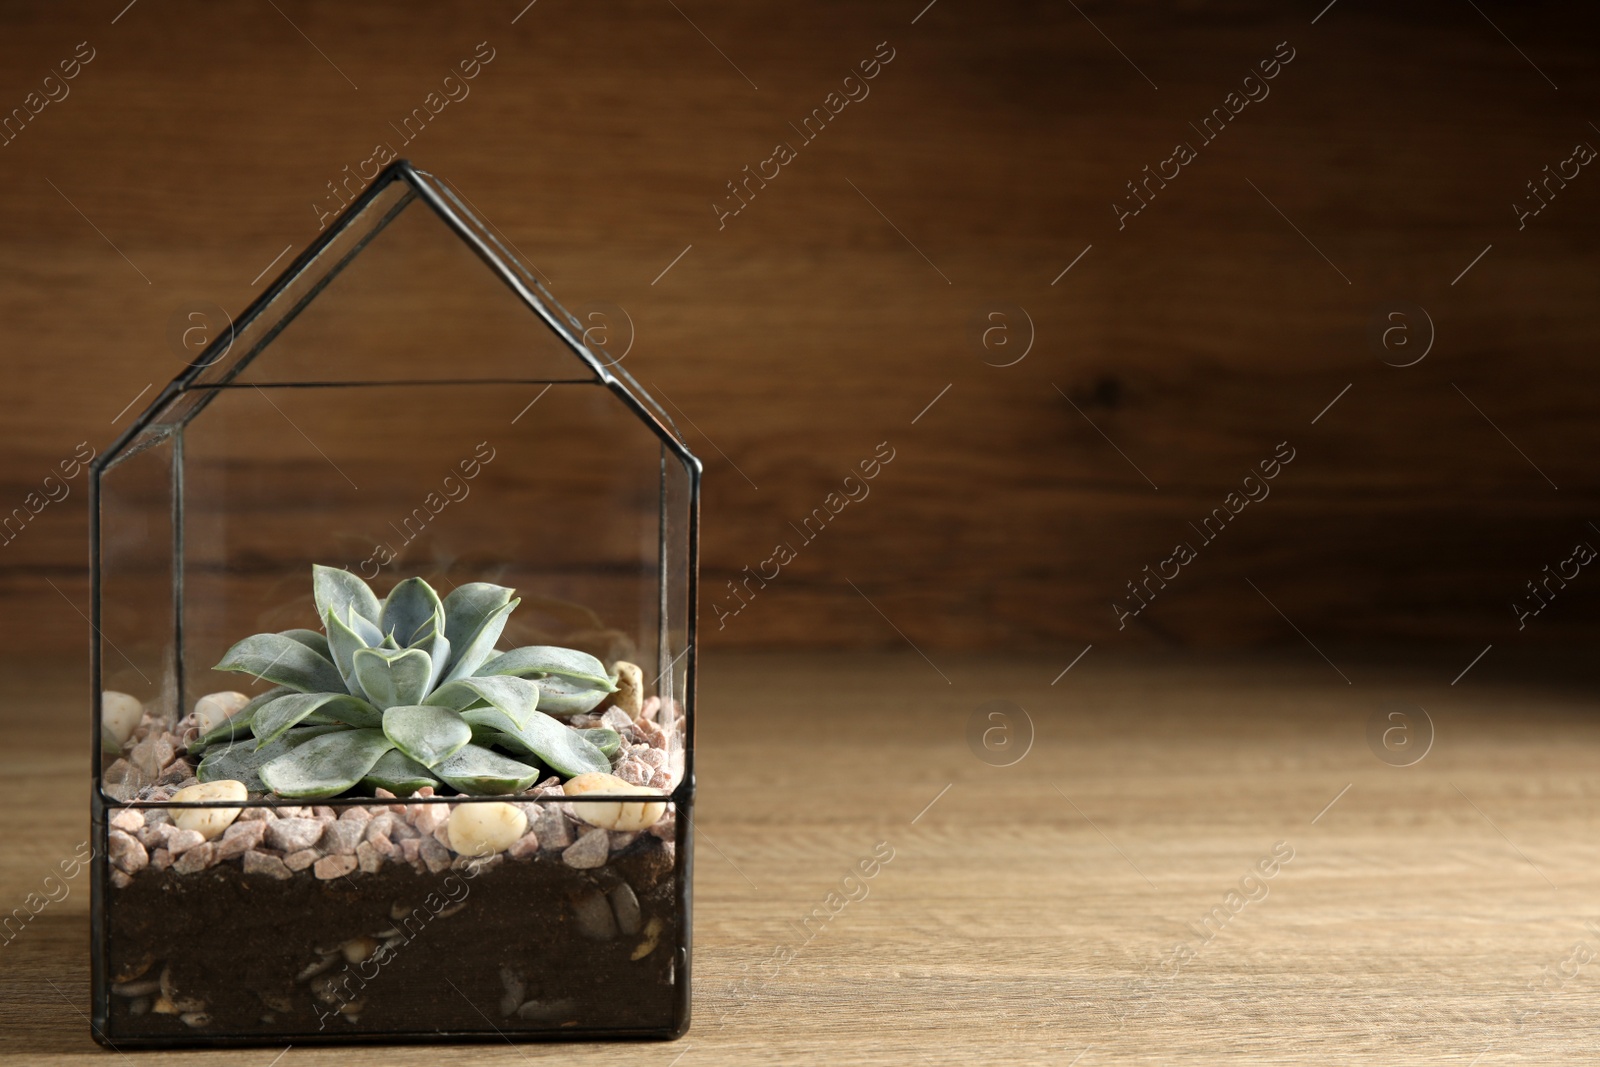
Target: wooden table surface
<point>1429,914</point>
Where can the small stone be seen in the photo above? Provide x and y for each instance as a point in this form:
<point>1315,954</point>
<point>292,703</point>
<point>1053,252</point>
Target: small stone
<point>621,839</point>
<point>435,855</point>
<point>625,905</point>
<point>293,834</point>
<point>121,879</point>
<point>552,827</point>
<point>402,830</point>
<point>654,758</point>
<point>209,822</point>
<point>128,820</point>
<point>595,919</point>
<point>428,817</point>
<point>616,719</point>
<point>476,865</point>
<point>119,714</point>
<point>515,990</point>
<point>484,829</point>
<point>588,851</point>
<point>179,773</point>
<point>258,815</point>
<point>121,780</point>
<point>662,781</point>
<point>324,812</point>
<point>441,834</point>
<point>652,935</point>
<point>381,845</point>
<point>240,838</point>
<point>359,949</point>
<point>552,782</point>
<point>614,814</point>
<point>358,814</point>
<point>271,866</point>
<point>378,826</point>
<point>196,859</point>
<point>341,838</point>
<point>368,858</point>
<point>525,846</point>
<point>650,709</point>
<point>411,848</point>
<point>213,709</point>
<point>144,761</point>
<point>629,696</point>
<point>153,835</point>
<point>634,772</point>
<point>330,867</point>
<point>667,828</point>
<point>548,1011</point>
<point>195,1019</point>
<point>126,853</point>
<point>299,861</point>
<point>180,841</point>
<point>292,812</point>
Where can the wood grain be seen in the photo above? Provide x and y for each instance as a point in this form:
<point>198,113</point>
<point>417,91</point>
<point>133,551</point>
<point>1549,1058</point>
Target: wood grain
<point>827,315</point>
<point>1030,913</point>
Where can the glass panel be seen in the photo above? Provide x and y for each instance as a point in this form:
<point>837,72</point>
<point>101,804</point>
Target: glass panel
<point>258,326</point>
<point>458,483</point>
<point>417,305</point>
<point>137,632</point>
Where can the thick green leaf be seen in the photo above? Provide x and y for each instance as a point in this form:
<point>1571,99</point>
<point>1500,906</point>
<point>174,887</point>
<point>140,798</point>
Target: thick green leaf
<point>325,766</point>
<point>399,774</point>
<point>409,609</point>
<point>607,741</point>
<point>343,643</point>
<point>479,772</point>
<point>469,606</point>
<point>237,724</point>
<point>516,697</point>
<point>437,646</point>
<point>426,734</point>
<point>285,661</point>
<point>367,630</point>
<point>479,644</point>
<point>242,760</point>
<point>563,696</point>
<point>311,639</point>
<point>560,747</point>
<point>339,591</point>
<point>392,677</point>
<point>288,711</point>
<point>567,663</point>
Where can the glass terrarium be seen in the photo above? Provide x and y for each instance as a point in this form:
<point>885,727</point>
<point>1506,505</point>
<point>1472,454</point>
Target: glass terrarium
<point>393,663</point>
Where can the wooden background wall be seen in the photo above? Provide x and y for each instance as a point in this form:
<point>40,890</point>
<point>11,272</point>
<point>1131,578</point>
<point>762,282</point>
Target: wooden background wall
<point>830,313</point>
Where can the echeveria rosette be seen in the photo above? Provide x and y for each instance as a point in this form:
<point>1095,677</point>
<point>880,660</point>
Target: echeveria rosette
<point>405,692</point>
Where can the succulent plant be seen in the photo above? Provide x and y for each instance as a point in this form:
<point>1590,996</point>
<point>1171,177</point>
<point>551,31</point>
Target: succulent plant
<point>406,692</point>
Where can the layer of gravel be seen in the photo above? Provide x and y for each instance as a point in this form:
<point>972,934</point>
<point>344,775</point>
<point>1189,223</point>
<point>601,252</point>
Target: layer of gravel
<point>326,842</point>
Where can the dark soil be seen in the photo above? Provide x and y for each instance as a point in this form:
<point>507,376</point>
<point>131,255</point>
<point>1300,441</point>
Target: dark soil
<point>240,942</point>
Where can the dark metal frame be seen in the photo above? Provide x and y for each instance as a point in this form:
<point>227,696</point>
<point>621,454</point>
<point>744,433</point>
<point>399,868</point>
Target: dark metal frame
<point>192,382</point>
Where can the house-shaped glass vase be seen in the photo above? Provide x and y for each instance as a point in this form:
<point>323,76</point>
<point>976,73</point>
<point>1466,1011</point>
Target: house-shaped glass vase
<point>393,662</point>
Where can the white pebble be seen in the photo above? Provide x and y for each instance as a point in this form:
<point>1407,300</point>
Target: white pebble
<point>213,709</point>
<point>630,688</point>
<point>210,822</point>
<point>119,714</point>
<point>484,829</point>
<point>614,814</point>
